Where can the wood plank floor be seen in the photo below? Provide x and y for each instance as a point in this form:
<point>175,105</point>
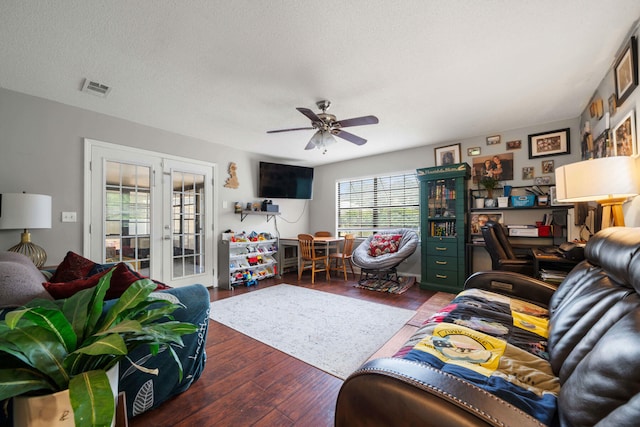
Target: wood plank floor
<point>247,383</point>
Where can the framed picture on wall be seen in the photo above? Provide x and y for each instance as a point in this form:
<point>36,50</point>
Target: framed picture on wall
<point>550,143</point>
<point>477,220</point>
<point>514,145</point>
<point>473,151</point>
<point>447,155</point>
<point>624,136</point>
<point>499,166</point>
<point>626,71</point>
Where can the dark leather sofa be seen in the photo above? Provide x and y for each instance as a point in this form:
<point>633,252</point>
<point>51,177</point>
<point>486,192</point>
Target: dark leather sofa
<point>592,350</point>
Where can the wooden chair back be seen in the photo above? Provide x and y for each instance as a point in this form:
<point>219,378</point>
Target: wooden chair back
<point>347,248</point>
<point>307,250</point>
<point>322,234</point>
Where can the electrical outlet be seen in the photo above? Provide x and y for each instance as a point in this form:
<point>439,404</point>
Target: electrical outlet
<point>69,217</point>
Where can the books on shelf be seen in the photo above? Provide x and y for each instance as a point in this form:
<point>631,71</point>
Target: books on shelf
<point>443,229</point>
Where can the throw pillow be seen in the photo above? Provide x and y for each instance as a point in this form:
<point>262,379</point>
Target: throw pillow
<point>73,267</point>
<point>20,280</point>
<point>384,244</point>
<point>121,278</point>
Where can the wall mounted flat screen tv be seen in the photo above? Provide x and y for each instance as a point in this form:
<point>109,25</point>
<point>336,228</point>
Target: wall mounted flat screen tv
<point>277,181</point>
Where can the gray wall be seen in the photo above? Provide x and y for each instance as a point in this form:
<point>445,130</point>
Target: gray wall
<point>606,88</point>
<point>41,151</point>
<point>409,160</point>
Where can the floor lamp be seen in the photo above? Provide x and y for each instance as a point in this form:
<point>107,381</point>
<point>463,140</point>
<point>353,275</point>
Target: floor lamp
<point>610,181</point>
<point>26,211</point>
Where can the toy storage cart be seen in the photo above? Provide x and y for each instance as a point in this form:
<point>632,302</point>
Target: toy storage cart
<point>245,262</point>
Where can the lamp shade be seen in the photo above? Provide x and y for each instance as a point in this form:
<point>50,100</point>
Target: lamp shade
<point>598,179</point>
<point>24,211</point>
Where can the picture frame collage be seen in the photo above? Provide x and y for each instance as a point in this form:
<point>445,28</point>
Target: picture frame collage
<point>620,139</point>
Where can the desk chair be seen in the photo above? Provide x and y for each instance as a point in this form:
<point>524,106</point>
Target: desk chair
<point>309,257</point>
<point>338,260</point>
<point>502,254</point>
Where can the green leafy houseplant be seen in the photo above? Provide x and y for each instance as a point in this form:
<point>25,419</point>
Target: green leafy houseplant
<point>69,344</point>
<point>489,183</point>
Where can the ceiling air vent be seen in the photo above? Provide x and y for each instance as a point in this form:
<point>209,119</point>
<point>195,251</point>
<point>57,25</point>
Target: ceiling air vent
<point>95,88</point>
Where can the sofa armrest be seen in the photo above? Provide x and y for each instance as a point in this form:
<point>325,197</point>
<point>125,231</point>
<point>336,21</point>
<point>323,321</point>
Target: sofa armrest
<point>393,391</point>
<point>513,285</point>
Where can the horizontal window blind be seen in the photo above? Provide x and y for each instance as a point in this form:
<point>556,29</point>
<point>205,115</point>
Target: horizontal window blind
<point>368,205</point>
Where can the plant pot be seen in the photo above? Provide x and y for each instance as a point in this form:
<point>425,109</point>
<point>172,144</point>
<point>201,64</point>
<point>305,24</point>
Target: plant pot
<point>489,203</point>
<point>479,202</point>
<point>53,410</point>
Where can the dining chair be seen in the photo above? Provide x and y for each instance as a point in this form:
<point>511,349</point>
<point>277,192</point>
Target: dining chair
<point>341,259</point>
<point>309,257</point>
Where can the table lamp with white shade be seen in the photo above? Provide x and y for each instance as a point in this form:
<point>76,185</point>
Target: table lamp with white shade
<point>610,181</point>
<point>26,211</point>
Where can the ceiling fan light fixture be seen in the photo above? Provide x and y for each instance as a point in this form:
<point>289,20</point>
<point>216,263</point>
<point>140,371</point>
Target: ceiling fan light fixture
<point>322,139</point>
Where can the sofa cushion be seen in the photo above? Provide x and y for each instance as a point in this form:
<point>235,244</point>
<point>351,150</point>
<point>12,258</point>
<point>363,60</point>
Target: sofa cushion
<point>73,267</point>
<point>121,278</point>
<point>20,280</point>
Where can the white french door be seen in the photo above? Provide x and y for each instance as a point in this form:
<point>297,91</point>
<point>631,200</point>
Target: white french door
<point>151,211</point>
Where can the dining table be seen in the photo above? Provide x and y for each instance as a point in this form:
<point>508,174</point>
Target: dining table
<point>289,252</point>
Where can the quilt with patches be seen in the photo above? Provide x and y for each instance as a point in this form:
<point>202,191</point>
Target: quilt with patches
<point>494,342</point>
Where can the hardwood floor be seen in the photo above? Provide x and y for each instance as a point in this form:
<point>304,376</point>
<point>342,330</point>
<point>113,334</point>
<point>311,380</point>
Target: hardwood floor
<point>247,383</point>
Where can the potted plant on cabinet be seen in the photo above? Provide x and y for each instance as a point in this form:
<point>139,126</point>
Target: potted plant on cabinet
<point>53,346</point>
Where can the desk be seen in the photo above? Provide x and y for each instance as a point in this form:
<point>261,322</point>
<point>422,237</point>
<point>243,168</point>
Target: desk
<point>289,258</point>
<point>551,261</point>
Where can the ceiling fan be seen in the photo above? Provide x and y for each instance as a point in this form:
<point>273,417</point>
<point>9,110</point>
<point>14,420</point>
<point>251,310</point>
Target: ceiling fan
<point>327,127</point>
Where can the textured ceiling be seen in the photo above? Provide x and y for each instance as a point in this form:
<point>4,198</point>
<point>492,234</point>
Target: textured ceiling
<point>228,71</point>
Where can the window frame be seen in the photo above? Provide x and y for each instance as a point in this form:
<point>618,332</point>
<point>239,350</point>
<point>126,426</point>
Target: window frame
<point>383,202</point>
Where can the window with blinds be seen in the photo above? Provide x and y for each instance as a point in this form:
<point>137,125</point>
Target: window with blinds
<point>368,205</point>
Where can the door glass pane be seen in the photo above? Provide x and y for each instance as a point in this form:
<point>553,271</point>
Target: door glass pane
<point>187,219</point>
<point>127,224</point>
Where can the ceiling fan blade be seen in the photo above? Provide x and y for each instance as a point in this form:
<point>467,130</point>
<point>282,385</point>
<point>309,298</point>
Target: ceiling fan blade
<point>288,130</point>
<point>349,137</point>
<point>358,121</point>
<point>310,114</point>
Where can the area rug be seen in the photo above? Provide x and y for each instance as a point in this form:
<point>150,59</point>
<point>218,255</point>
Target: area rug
<point>331,332</point>
<point>403,284</point>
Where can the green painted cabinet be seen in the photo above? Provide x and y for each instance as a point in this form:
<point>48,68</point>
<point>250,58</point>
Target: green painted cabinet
<point>443,226</point>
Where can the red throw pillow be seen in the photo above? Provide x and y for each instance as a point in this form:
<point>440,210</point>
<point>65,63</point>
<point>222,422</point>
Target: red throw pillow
<point>72,267</point>
<point>121,278</point>
<point>384,244</point>
<point>66,289</point>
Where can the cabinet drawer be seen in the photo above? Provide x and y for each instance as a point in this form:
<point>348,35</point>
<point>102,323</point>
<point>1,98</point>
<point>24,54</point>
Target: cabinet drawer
<point>443,277</point>
<point>436,263</point>
<point>442,248</point>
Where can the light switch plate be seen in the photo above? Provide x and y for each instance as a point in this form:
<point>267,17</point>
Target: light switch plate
<point>69,217</point>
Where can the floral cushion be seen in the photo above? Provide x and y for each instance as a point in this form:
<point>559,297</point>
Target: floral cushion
<point>384,244</point>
